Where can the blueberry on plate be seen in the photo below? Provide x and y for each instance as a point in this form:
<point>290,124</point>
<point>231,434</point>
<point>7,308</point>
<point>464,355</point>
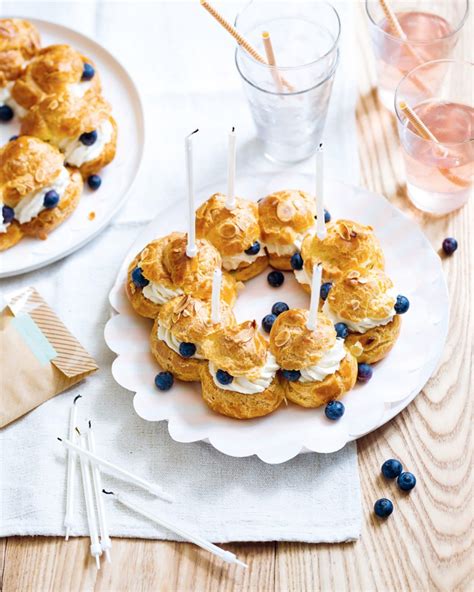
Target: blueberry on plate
<point>6,113</point>
<point>402,304</point>
<point>51,199</point>
<point>291,375</point>
<point>279,307</point>
<point>334,410</point>
<point>449,245</point>
<point>164,381</point>
<point>87,72</point>
<point>187,350</point>
<point>88,138</point>
<point>383,507</point>
<point>327,216</point>
<point>342,330</point>
<point>406,481</point>
<point>391,468</point>
<point>12,138</point>
<point>324,291</point>
<point>296,261</point>
<point>364,372</point>
<point>275,279</point>
<point>8,214</point>
<point>267,322</point>
<point>224,377</point>
<point>138,278</point>
<point>94,182</point>
<point>253,249</point>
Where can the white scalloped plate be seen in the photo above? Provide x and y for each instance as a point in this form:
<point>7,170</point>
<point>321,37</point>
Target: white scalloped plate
<point>417,273</point>
<point>117,178</point>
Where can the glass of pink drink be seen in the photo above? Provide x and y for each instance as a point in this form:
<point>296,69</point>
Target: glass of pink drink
<point>431,28</point>
<point>439,164</point>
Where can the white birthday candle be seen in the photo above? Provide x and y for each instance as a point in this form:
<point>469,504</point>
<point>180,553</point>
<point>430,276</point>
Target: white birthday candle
<point>216,296</point>
<point>71,471</point>
<point>105,541</point>
<point>179,530</point>
<point>230,200</point>
<point>96,549</point>
<point>312,321</point>
<point>191,249</point>
<point>320,224</point>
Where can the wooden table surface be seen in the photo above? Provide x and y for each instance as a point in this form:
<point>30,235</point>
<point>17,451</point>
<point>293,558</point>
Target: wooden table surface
<point>426,545</point>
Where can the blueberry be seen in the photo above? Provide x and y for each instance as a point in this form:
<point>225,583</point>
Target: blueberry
<point>51,199</point>
<point>13,138</point>
<point>296,261</point>
<point>291,375</point>
<point>187,350</point>
<point>406,481</point>
<point>164,381</point>
<point>88,138</point>
<point>224,377</point>
<point>402,304</point>
<point>334,410</point>
<point>8,214</point>
<point>391,468</point>
<point>279,307</point>
<point>267,322</point>
<point>364,372</point>
<point>275,279</point>
<point>87,72</point>
<point>6,113</point>
<point>450,245</point>
<point>383,507</point>
<point>138,278</point>
<point>342,330</point>
<point>327,216</point>
<point>323,293</point>
<point>254,249</point>
<point>94,182</point>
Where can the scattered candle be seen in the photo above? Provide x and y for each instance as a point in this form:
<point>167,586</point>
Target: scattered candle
<point>230,200</point>
<point>96,549</point>
<point>191,249</point>
<point>312,321</point>
<point>71,471</point>
<point>320,223</point>
<point>216,296</point>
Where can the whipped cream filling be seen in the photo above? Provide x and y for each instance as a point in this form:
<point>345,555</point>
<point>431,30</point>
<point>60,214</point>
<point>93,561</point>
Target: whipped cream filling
<point>173,343</point>
<point>302,276</point>
<point>3,226</point>
<point>283,250</point>
<point>363,325</point>
<point>243,385</point>
<point>328,364</point>
<point>79,89</point>
<point>160,294</point>
<point>7,99</point>
<point>33,203</point>
<point>231,262</point>
<point>76,153</point>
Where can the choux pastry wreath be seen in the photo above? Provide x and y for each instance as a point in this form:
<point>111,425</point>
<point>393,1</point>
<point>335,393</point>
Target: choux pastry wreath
<point>55,92</point>
<point>244,373</point>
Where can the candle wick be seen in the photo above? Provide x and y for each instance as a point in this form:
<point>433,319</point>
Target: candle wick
<point>233,128</point>
<point>194,132</point>
<point>90,423</point>
<point>108,492</point>
<point>78,430</point>
<point>60,439</point>
<point>76,398</point>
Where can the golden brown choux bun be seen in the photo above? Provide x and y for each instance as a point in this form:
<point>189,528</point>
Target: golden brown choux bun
<point>62,119</point>
<point>242,352</point>
<point>232,232</point>
<point>11,236</point>
<point>55,70</point>
<point>296,347</point>
<point>19,42</point>
<point>184,320</point>
<point>347,246</point>
<point>285,217</point>
<point>365,303</point>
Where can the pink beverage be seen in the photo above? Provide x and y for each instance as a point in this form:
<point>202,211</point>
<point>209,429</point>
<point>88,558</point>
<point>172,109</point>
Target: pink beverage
<point>440,176</point>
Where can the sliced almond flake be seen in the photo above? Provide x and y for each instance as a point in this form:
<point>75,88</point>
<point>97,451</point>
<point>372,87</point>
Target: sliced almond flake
<point>228,230</point>
<point>285,211</point>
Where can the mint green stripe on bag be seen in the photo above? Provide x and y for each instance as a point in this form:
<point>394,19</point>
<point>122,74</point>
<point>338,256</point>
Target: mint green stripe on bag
<point>34,338</point>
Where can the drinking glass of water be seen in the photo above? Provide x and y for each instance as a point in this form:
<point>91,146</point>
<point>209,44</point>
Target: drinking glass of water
<point>289,100</point>
<point>436,132</point>
<point>429,30</point>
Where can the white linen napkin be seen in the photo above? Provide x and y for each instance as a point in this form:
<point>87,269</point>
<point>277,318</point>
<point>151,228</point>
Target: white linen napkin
<point>311,498</point>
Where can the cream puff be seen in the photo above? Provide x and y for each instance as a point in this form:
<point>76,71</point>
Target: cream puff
<point>19,42</point>
<point>348,245</point>
<point>239,379</point>
<point>84,130</point>
<point>162,271</point>
<point>316,367</point>
<point>364,306</point>
<point>55,70</point>
<point>234,233</point>
<point>285,217</point>
<point>177,335</point>
<point>37,191</point>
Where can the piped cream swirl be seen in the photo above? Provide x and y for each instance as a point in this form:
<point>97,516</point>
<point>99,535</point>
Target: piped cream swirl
<point>173,342</point>
<point>245,386</point>
<point>328,364</point>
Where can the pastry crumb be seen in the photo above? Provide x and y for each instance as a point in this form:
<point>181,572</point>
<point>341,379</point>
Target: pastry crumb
<point>91,215</point>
